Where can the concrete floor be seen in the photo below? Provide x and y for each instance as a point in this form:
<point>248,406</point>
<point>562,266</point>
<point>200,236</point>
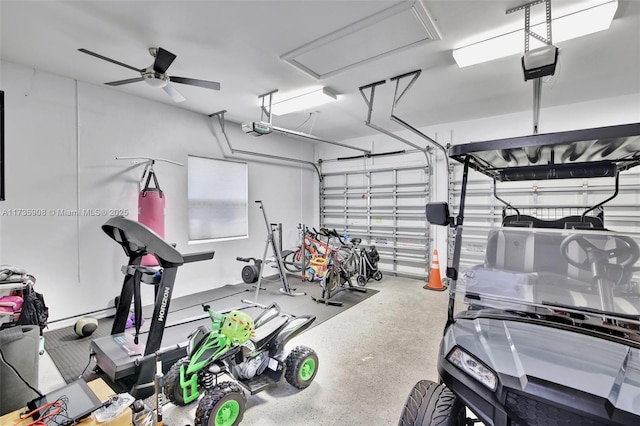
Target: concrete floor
<point>370,357</point>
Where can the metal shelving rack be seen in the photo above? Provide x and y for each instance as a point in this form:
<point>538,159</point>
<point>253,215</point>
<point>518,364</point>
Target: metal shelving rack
<point>384,207</point>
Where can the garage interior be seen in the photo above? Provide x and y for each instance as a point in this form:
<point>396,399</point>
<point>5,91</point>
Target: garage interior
<point>92,103</point>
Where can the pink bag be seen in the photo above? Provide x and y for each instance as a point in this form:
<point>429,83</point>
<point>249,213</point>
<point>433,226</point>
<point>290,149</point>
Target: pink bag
<point>151,209</point>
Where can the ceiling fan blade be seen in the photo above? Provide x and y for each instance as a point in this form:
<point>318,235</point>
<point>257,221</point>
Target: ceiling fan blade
<point>113,61</point>
<point>175,95</point>
<point>121,82</point>
<point>214,85</point>
<point>164,58</point>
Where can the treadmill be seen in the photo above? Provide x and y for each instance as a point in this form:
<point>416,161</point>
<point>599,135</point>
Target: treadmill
<point>128,360</point>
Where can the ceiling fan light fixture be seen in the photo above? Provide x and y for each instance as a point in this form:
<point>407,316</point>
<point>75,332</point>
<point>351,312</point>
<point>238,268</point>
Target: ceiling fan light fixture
<point>304,101</point>
<point>155,80</point>
<point>594,16</point>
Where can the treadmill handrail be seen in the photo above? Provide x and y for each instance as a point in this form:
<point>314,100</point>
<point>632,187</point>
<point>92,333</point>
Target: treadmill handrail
<point>138,240</point>
<point>199,256</point>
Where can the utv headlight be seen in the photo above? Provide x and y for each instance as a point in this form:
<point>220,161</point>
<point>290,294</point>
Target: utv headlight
<point>473,367</point>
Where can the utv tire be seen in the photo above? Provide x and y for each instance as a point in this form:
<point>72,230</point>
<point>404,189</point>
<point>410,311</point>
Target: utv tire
<point>222,405</point>
<point>302,366</point>
<point>377,276</point>
<point>172,388</point>
<point>433,404</point>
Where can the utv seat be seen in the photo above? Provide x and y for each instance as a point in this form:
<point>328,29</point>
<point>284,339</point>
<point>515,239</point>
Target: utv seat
<point>547,257</point>
<point>511,250</point>
<point>517,251</point>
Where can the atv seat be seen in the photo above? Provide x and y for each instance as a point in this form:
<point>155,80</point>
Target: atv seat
<point>265,332</point>
<point>202,332</point>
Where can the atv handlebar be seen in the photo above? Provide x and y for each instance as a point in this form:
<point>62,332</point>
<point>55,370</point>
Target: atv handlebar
<point>253,304</point>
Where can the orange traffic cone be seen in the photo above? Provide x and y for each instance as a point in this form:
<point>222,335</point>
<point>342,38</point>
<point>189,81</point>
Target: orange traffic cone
<point>435,282</point>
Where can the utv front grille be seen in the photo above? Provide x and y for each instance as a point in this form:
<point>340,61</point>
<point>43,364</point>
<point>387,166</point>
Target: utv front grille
<point>539,413</point>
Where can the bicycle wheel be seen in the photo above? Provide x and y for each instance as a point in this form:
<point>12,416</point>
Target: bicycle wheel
<point>290,260</point>
<point>331,281</point>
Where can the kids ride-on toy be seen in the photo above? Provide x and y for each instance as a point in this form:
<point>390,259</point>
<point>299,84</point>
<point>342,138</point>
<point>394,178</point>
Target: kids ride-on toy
<point>543,323</point>
<point>250,352</point>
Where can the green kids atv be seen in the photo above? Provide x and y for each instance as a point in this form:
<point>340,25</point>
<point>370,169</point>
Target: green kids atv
<point>251,352</point>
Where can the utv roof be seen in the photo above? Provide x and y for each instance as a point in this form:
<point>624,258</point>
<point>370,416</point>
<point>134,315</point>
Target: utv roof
<point>597,152</point>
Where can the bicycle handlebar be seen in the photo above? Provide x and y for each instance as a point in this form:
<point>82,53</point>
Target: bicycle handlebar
<point>331,233</point>
<point>340,237</point>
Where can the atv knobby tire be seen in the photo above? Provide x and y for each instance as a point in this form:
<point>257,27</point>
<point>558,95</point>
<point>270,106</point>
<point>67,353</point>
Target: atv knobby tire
<point>222,405</point>
<point>172,388</point>
<point>301,367</point>
<point>433,404</point>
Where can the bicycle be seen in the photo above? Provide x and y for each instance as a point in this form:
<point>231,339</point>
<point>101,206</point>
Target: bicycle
<point>347,254</point>
<point>341,266</point>
<point>300,259</point>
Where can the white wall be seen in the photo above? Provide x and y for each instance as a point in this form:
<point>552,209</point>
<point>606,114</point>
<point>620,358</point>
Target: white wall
<point>603,112</point>
<point>62,138</point>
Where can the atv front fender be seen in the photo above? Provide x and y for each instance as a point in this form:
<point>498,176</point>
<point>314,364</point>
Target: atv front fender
<point>189,387</point>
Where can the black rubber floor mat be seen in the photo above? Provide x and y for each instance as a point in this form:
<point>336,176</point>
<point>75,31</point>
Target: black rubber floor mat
<point>70,353</point>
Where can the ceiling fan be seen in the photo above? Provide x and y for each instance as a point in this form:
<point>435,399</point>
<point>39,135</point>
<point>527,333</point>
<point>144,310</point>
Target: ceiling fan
<point>155,75</point>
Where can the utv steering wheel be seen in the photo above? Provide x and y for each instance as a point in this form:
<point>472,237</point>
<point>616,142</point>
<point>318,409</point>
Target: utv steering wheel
<point>626,251</point>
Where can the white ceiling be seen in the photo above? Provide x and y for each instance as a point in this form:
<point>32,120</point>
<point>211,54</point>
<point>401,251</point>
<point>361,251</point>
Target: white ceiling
<point>239,44</point>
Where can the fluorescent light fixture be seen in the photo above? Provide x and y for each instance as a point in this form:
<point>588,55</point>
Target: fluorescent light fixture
<point>567,26</point>
<point>304,101</point>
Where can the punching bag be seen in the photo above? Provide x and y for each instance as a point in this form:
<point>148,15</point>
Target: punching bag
<point>151,205</point>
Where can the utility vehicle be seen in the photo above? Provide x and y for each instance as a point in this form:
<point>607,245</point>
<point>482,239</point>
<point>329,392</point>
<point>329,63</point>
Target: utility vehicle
<point>544,328</point>
<point>249,352</point>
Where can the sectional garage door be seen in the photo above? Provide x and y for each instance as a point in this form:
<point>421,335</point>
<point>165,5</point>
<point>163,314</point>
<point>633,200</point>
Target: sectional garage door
<point>384,207</point>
